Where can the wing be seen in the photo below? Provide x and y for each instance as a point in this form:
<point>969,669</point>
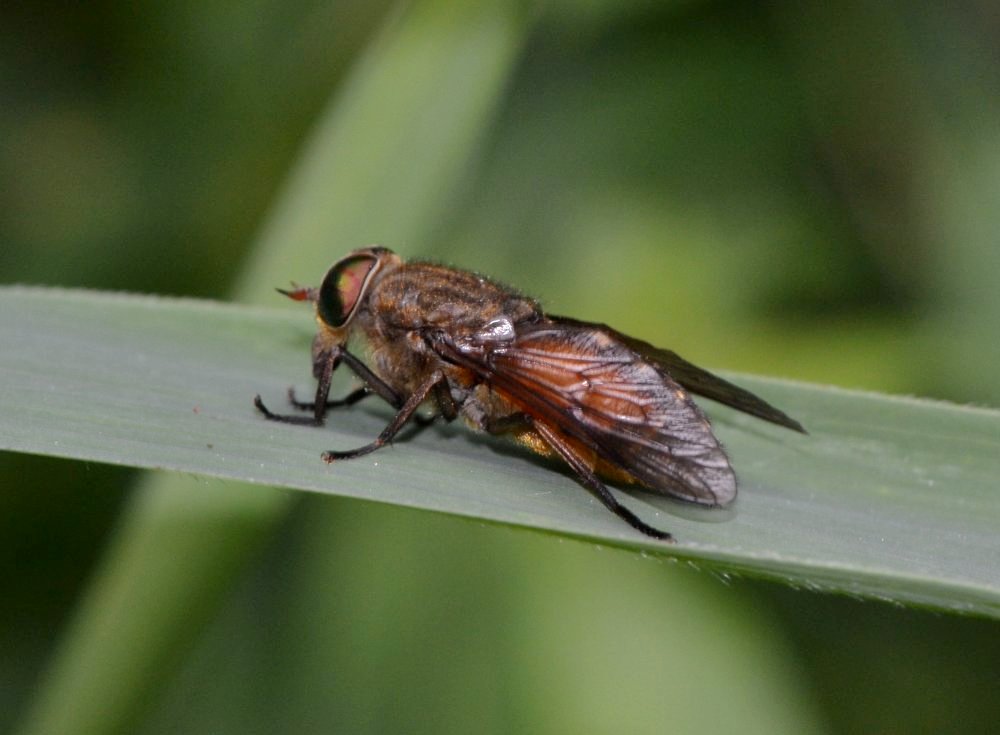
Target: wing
<point>700,381</point>
<point>591,387</point>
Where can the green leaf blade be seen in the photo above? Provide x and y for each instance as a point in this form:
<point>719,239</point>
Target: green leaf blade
<point>890,498</point>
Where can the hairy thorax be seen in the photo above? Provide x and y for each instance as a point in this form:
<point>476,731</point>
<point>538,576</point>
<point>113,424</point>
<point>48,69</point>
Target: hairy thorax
<point>413,300</point>
<point>419,296</point>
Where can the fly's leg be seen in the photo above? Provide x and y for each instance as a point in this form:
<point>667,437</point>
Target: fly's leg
<point>321,403</point>
<point>447,408</point>
<point>375,384</point>
<point>355,396</point>
<point>322,393</point>
<point>349,400</point>
<point>405,413</point>
<point>586,476</point>
<point>590,481</point>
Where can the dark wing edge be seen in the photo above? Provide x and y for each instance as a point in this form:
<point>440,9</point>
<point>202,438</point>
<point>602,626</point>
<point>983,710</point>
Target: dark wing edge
<point>698,380</point>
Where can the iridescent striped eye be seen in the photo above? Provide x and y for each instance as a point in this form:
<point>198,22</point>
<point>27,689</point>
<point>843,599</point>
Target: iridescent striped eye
<point>343,287</point>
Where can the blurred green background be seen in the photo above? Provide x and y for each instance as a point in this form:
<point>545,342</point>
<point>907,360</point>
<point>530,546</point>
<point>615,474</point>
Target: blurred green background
<point>788,188</point>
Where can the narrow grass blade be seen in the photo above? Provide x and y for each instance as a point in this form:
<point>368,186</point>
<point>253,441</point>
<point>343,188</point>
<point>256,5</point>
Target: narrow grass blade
<point>891,498</point>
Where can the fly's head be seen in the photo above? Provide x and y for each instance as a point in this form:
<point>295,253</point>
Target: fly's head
<point>344,291</point>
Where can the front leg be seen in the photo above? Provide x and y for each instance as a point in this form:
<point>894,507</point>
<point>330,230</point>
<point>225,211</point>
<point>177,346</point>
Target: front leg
<point>405,413</point>
<point>356,396</point>
<point>324,371</point>
<point>349,400</point>
<point>319,406</point>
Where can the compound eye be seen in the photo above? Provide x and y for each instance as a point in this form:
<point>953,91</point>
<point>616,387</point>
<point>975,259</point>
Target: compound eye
<point>343,287</point>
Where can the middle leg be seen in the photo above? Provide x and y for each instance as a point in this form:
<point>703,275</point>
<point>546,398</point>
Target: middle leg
<point>405,413</point>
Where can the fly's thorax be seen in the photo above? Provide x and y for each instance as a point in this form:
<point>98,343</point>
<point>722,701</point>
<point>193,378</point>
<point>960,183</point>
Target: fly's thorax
<point>422,296</point>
